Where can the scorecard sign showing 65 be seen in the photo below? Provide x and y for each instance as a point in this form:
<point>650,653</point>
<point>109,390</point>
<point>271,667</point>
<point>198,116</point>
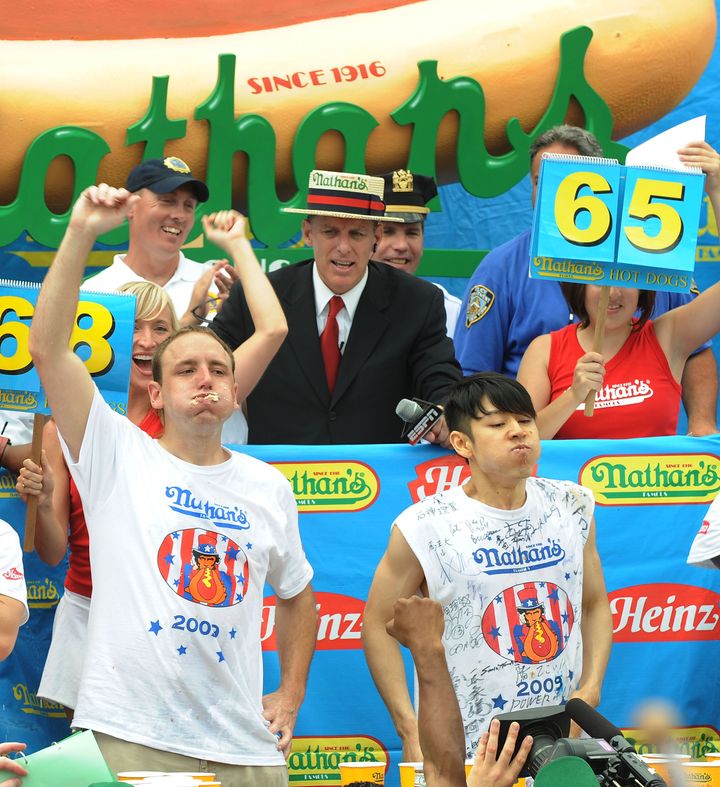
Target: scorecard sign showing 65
<point>599,222</point>
<point>102,338</point>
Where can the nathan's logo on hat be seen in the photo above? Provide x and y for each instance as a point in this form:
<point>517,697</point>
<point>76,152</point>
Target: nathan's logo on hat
<point>176,165</point>
<point>345,195</point>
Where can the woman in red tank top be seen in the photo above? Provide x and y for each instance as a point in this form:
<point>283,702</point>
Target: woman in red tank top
<point>636,375</point>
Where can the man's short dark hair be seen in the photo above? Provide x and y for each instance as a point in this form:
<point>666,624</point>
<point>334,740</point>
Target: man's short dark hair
<point>575,296</point>
<point>583,141</point>
<point>465,400</point>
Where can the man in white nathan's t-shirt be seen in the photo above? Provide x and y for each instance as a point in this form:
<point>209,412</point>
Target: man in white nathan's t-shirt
<point>184,534</point>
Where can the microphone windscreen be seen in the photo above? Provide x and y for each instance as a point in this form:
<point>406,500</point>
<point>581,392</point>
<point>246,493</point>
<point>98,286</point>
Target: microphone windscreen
<point>594,724</point>
<point>566,772</point>
<point>408,410</point>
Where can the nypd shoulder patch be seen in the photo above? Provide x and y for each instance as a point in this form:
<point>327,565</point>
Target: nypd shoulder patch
<point>479,304</point>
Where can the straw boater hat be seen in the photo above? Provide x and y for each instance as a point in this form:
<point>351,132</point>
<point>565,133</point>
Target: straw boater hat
<point>344,195</point>
<point>407,195</point>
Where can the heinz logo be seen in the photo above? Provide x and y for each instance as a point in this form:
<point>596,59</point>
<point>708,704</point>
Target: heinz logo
<point>331,486</point>
<point>437,475</point>
<point>647,479</point>
<point>339,622</point>
<point>665,612</point>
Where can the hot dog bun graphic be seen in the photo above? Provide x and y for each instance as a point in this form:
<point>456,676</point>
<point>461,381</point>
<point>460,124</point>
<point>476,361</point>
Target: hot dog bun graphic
<point>91,65</point>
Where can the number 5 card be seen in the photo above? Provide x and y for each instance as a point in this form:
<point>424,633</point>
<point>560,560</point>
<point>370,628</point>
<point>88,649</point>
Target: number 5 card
<point>102,338</point>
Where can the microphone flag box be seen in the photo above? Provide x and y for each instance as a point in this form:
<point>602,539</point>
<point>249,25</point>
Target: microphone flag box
<point>424,425</point>
<point>599,222</point>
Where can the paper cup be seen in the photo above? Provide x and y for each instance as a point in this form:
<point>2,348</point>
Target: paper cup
<point>702,773</point>
<point>411,774</point>
<point>362,772</point>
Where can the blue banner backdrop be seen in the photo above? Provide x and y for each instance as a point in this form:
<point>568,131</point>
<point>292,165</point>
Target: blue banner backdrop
<point>652,495</point>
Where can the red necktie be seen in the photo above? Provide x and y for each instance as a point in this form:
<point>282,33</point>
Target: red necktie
<point>329,343</point>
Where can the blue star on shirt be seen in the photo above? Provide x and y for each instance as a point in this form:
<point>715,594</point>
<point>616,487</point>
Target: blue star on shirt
<point>238,597</point>
<point>232,633</point>
<point>176,536</point>
<point>182,650</point>
<point>224,538</point>
<point>176,582</point>
<point>567,576</point>
<point>498,599</point>
<point>499,702</point>
<point>511,652</point>
<point>564,617</point>
<point>553,595</point>
<point>155,627</point>
<point>220,656</point>
<point>494,632</point>
<point>248,545</point>
<point>169,558</point>
<point>231,554</point>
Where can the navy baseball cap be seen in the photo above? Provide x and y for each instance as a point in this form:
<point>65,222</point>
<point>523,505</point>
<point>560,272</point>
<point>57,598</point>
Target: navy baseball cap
<point>163,175</point>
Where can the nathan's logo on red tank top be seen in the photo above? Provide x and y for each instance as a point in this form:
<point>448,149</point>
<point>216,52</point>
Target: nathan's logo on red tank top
<point>528,623</point>
<point>339,626</point>
<point>622,394</point>
<point>665,612</point>
<point>205,567</point>
<point>646,479</point>
<point>437,475</point>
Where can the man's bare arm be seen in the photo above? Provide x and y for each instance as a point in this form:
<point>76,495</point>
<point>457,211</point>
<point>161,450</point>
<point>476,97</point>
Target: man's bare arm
<point>700,391</point>
<point>597,625</point>
<point>398,575</point>
<point>418,624</point>
<point>64,377</point>
<point>296,632</point>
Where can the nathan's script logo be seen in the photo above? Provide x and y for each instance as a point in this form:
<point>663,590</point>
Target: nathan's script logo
<point>331,486</point>
<point>646,479</point>
<point>529,623</point>
<point>184,502</point>
<point>205,567</point>
<point>318,760</point>
<point>509,561</point>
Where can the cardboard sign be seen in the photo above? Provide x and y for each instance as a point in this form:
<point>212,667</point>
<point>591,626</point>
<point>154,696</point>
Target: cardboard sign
<point>599,222</point>
<point>102,338</point>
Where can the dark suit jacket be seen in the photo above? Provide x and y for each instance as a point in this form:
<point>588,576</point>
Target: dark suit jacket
<point>397,348</point>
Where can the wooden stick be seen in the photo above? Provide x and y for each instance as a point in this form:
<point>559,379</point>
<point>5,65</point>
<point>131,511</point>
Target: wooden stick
<point>598,341</point>
<point>32,503</point>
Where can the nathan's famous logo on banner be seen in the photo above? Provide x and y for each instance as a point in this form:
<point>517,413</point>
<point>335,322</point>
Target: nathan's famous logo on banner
<point>437,475</point>
<point>321,487</point>
<point>696,741</point>
<point>665,612</point>
<point>339,625</point>
<point>30,703</point>
<point>318,759</point>
<point>42,593</point>
<point>644,479</point>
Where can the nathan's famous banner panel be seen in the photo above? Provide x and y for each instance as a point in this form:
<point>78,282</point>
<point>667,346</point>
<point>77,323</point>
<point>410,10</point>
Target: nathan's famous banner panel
<point>651,497</point>
<point>102,337</point>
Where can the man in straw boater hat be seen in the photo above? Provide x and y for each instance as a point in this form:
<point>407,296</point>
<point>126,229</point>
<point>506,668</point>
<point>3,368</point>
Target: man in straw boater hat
<point>401,244</point>
<point>362,335</point>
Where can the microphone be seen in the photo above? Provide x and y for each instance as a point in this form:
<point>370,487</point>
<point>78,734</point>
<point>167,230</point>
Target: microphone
<point>420,416</point>
<point>597,726</point>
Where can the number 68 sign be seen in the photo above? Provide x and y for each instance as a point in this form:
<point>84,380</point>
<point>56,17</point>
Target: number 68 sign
<point>597,221</point>
<point>102,337</point>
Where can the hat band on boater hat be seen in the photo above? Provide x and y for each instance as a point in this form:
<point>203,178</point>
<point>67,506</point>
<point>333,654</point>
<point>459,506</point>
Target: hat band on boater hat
<point>344,195</point>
